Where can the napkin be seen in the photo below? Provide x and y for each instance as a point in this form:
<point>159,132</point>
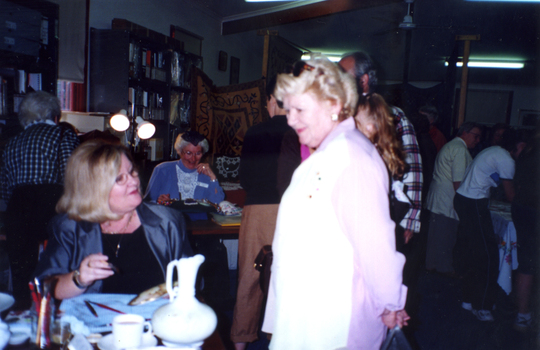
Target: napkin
<point>76,307</point>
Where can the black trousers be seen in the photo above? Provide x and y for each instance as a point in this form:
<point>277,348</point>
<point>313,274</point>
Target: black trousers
<point>476,253</point>
<point>27,215</point>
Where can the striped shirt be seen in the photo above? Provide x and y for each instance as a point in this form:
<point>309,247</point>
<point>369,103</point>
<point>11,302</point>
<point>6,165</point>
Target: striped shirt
<point>36,156</point>
<point>413,178</point>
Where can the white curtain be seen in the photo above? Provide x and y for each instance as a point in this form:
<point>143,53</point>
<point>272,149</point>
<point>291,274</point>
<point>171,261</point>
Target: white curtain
<point>71,36</point>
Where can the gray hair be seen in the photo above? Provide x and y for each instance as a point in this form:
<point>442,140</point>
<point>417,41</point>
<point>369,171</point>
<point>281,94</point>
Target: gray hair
<point>430,112</point>
<point>467,127</point>
<point>180,143</point>
<point>38,106</point>
<point>363,64</point>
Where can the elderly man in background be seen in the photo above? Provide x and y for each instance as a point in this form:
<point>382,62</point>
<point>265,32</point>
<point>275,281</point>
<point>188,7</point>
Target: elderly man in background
<point>450,166</point>
<point>436,135</point>
<point>32,179</point>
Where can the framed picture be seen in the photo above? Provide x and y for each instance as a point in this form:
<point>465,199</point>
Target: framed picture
<point>222,63</point>
<point>528,117</point>
<point>235,71</point>
<point>192,42</point>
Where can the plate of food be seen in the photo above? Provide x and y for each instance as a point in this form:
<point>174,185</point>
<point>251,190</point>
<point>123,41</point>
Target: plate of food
<point>151,294</point>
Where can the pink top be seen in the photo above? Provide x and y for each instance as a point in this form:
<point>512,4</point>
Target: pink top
<point>335,266</point>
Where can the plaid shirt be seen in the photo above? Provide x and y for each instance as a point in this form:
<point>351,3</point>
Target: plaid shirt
<point>31,157</point>
<point>413,178</point>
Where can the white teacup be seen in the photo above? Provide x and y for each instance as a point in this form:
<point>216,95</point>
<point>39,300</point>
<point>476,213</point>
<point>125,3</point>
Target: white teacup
<point>128,330</point>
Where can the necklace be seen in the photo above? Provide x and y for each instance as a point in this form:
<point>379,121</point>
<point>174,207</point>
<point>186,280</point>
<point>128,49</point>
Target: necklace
<point>121,231</point>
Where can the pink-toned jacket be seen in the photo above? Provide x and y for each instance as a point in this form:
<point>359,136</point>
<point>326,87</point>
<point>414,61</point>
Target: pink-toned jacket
<point>335,266</point>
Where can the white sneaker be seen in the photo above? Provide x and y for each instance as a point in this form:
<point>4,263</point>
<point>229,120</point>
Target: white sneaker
<point>466,306</point>
<point>483,315</point>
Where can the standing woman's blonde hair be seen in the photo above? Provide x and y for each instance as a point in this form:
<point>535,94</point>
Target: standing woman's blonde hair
<point>90,176</point>
<point>322,78</point>
<point>374,119</point>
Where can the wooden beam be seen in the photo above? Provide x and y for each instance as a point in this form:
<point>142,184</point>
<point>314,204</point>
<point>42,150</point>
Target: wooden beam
<point>297,14</point>
<point>464,75</point>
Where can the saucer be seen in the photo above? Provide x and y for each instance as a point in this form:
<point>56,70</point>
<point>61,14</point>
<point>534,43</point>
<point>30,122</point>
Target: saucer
<point>107,342</point>
<point>6,301</point>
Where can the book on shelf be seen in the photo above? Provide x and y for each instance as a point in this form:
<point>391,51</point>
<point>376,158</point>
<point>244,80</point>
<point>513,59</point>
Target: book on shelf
<point>34,81</point>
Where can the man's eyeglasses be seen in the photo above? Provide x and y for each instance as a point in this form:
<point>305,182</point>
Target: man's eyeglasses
<point>476,136</point>
<point>122,179</point>
<point>189,153</point>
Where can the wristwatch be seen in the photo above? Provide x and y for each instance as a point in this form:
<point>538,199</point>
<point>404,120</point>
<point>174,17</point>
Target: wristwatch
<point>76,280</point>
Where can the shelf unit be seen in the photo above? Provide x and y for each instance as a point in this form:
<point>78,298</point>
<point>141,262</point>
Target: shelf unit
<point>144,75</point>
<point>28,52</point>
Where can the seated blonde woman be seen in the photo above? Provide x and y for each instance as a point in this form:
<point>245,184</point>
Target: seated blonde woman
<point>104,226</point>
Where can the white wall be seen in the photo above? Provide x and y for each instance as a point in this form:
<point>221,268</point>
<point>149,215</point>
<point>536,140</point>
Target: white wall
<point>158,15</point>
<point>524,97</point>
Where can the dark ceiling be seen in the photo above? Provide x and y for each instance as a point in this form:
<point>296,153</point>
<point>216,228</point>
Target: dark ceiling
<point>507,31</point>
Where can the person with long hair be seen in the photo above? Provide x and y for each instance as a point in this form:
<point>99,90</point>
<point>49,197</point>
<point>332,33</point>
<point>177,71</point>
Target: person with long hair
<point>374,120</point>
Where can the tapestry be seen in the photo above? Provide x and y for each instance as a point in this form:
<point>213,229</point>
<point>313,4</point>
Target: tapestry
<point>224,114</point>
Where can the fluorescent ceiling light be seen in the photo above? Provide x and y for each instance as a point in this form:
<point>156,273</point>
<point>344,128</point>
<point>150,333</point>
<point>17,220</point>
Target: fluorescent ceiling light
<point>331,57</point>
<point>505,0</point>
<point>490,64</point>
<point>270,0</point>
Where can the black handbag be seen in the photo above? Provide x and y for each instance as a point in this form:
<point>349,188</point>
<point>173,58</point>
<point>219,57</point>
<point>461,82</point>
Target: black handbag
<point>263,263</point>
<point>395,340</point>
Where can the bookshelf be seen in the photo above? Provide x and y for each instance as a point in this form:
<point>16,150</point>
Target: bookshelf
<point>142,73</point>
<point>28,52</point>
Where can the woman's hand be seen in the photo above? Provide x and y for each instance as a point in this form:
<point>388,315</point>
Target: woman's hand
<point>164,199</point>
<point>391,318</point>
<point>204,168</point>
<point>94,267</point>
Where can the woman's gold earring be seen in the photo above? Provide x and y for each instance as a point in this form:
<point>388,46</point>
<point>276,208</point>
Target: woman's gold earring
<point>334,117</point>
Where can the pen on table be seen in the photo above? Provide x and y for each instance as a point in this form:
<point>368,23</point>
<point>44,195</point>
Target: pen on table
<point>91,308</point>
<point>104,306</point>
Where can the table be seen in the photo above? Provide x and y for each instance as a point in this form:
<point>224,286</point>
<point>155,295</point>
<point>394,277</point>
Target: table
<point>208,227</point>
<point>213,342</point>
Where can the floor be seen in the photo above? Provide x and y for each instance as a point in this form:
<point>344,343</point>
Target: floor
<point>442,323</point>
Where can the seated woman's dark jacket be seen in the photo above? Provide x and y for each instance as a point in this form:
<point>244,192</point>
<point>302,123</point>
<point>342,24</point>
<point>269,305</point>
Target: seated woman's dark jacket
<point>71,241</point>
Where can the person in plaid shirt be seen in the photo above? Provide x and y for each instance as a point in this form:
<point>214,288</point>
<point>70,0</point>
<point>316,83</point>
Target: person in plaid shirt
<point>31,177</point>
<point>360,65</point>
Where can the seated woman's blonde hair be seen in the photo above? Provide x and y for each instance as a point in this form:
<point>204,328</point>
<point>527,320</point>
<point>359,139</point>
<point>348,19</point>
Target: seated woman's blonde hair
<point>384,136</point>
<point>90,176</point>
<point>322,78</point>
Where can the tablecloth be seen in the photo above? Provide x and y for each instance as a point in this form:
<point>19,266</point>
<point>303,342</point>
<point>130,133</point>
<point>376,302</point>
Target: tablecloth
<point>508,260</point>
<point>76,307</point>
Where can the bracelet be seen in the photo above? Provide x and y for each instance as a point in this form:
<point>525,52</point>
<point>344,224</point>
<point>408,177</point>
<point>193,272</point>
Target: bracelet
<point>76,280</point>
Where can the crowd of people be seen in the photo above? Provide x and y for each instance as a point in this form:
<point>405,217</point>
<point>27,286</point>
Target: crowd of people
<point>353,200</point>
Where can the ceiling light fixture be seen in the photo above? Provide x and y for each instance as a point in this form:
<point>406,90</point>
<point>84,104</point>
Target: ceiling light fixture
<point>490,64</point>
<point>505,0</point>
<point>331,56</point>
<point>271,0</point>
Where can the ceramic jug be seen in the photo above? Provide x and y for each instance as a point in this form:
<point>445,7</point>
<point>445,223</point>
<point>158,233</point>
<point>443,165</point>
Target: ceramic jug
<point>184,322</point>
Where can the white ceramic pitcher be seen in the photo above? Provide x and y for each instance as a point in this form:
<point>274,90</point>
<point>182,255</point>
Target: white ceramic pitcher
<point>184,322</point>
